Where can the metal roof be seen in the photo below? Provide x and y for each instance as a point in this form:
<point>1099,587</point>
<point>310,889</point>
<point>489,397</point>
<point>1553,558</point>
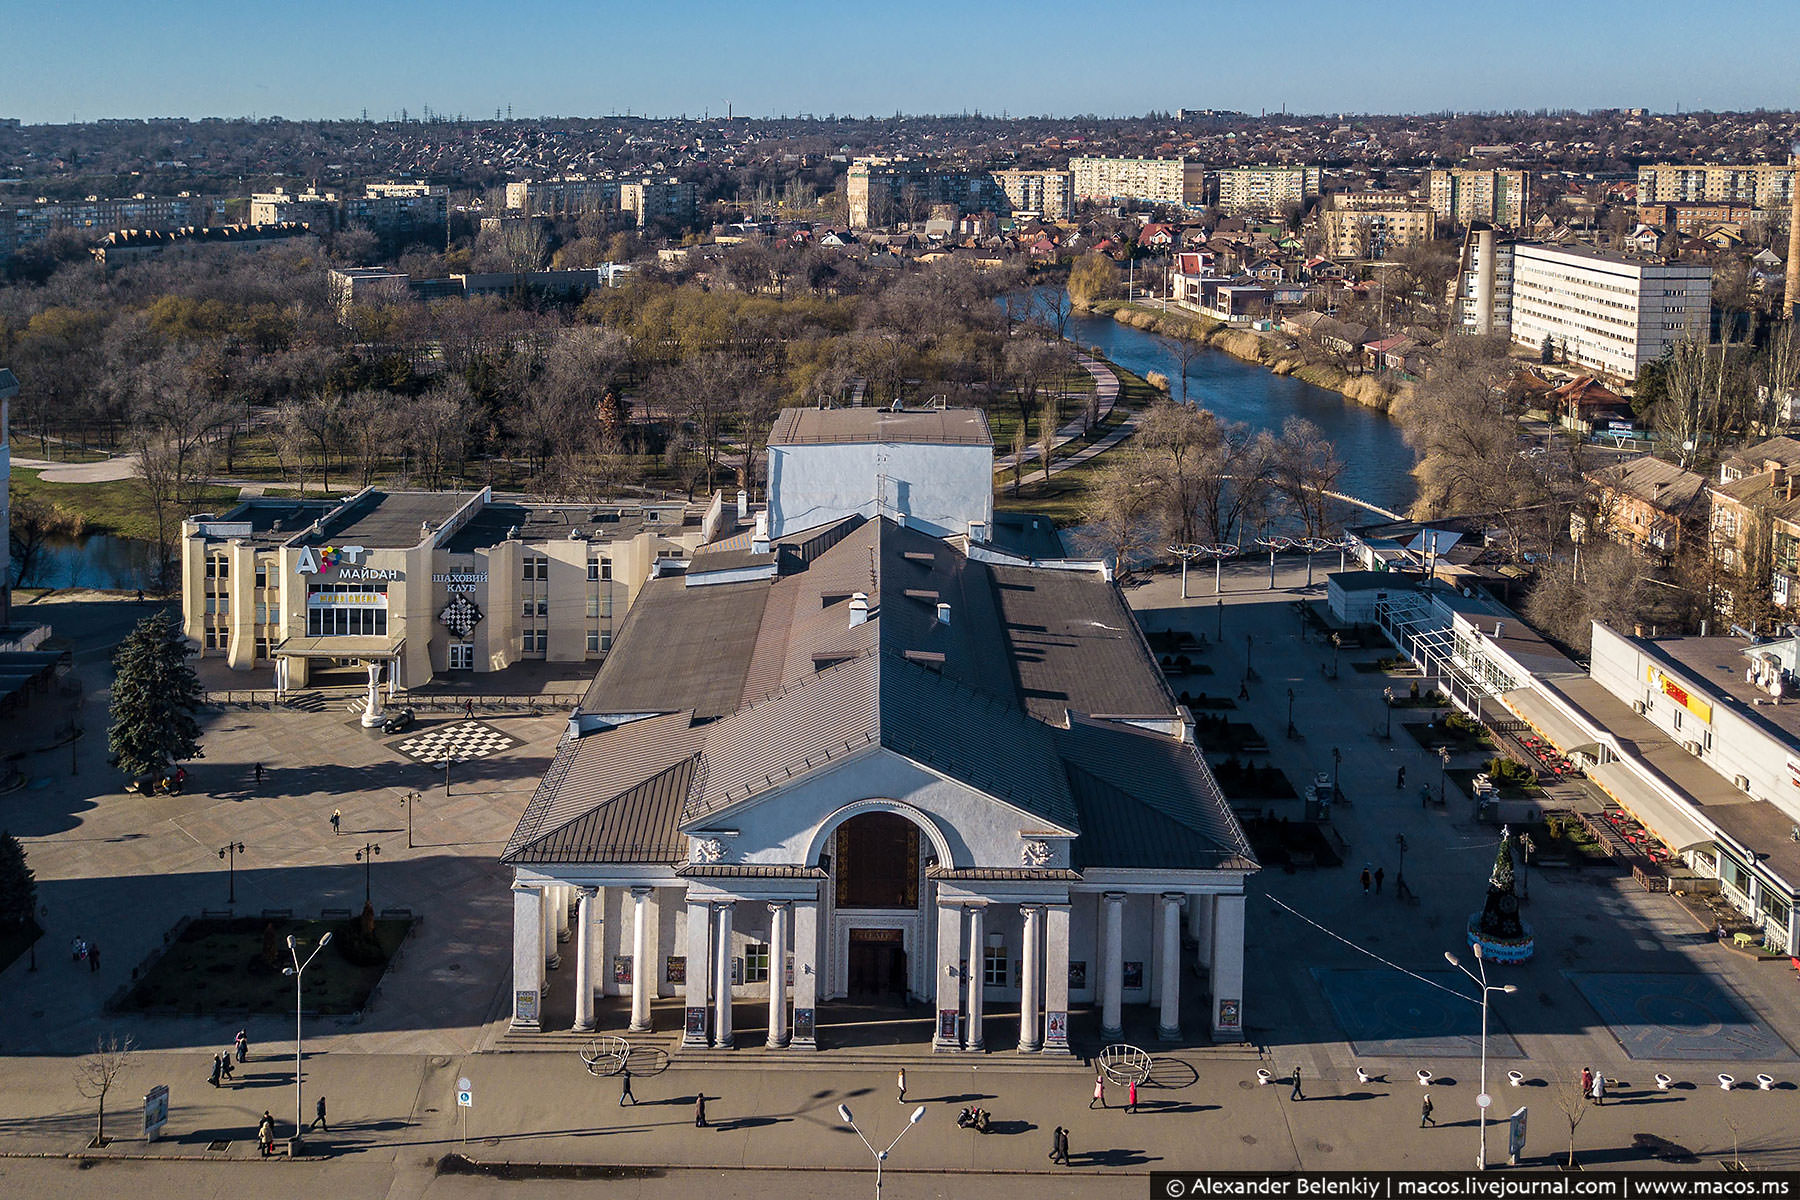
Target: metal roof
<point>388,520</point>
<point>841,426</point>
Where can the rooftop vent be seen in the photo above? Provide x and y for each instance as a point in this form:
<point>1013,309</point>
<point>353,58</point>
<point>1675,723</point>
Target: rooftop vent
<point>943,614</point>
<point>759,540</point>
<point>859,609</point>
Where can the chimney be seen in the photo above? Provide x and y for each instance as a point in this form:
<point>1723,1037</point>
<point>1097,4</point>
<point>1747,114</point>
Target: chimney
<point>1498,626</point>
<point>978,531</point>
<point>859,609</point>
<point>759,540</point>
<point>1792,298</point>
<point>743,504</point>
<point>943,614</point>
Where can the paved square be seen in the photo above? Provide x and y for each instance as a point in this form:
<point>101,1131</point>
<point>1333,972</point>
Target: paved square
<point>461,741</point>
<point>1384,1013</point>
<point>1657,1016</point>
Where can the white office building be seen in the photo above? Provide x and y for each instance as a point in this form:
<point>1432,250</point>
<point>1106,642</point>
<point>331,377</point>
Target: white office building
<point>1611,313</point>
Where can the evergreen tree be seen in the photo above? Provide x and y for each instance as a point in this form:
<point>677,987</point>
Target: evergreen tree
<point>18,886</point>
<point>154,698</point>
<point>1547,352</point>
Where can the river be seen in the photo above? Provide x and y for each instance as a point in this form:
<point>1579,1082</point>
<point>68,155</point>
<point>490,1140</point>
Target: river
<point>1377,461</point>
<point>95,561</point>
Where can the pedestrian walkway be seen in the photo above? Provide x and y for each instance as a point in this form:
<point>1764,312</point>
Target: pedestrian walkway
<point>1106,394</point>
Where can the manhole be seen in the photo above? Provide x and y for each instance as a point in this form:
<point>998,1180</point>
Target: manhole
<point>1245,1083</point>
<point>454,967</point>
<point>1249,1139</point>
<point>226,1145</point>
<point>1324,1147</point>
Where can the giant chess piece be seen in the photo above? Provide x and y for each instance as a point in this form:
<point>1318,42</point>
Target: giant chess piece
<point>372,714</point>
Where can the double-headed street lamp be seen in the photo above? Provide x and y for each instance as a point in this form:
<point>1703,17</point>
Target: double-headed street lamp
<point>229,852</point>
<point>1400,872</point>
<point>1443,775</point>
<point>1388,733</point>
<point>298,970</point>
<point>366,856</point>
<point>1484,1100</point>
<point>1290,712</point>
<point>408,801</point>
<point>918,1114</point>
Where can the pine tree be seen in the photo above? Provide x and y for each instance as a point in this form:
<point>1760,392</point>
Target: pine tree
<point>18,886</point>
<point>154,698</point>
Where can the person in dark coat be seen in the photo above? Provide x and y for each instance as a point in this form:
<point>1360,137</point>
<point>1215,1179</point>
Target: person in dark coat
<point>319,1119</point>
<point>213,1078</point>
<point>1296,1094</point>
<point>1059,1146</point>
<point>625,1095</point>
<point>700,1111</point>
<point>1425,1117</point>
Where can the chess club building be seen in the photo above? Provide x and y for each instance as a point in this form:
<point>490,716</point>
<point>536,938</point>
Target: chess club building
<point>425,583</point>
<point>872,753</point>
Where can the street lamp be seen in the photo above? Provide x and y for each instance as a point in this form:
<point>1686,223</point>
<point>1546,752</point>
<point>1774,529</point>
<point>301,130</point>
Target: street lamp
<point>1249,667</point>
<point>229,852</point>
<point>1337,643</point>
<point>1484,1100</point>
<point>1290,712</point>
<point>298,971</point>
<point>1444,775</point>
<point>918,1114</point>
<point>1219,634</point>
<point>1400,871</point>
<point>1337,759</point>
<point>366,856</point>
<point>1388,733</point>
<point>408,801</point>
<point>43,914</point>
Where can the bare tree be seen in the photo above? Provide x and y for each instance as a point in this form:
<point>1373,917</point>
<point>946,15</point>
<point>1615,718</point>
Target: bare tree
<point>1121,510</point>
<point>1571,1099</point>
<point>1306,467</point>
<point>1048,419</point>
<point>96,1074</point>
<point>1184,351</point>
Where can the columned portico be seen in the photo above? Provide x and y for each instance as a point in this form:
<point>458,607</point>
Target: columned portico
<point>1168,1026</point>
<point>1227,968</point>
<point>722,978</point>
<point>528,957</point>
<point>643,974</point>
<point>584,960</point>
<point>977,975</point>
<point>699,959</point>
<point>806,973</point>
<point>1200,925</point>
<point>562,912</point>
<point>548,895</point>
<point>1112,1002</point>
<point>949,974</point>
<point>778,952</point>
<point>1031,986</point>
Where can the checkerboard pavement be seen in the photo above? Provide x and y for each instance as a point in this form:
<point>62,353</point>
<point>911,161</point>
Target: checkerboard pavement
<point>462,741</point>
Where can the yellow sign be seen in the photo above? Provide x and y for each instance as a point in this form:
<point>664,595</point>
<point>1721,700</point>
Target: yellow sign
<point>1679,694</point>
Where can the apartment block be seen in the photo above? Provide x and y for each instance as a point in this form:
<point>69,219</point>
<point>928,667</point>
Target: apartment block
<point>1048,194</point>
<point>1374,224</point>
<point>1484,283</point>
<point>22,225</point>
<point>1152,180</point>
<point>1266,189</point>
<point>883,191</point>
<point>573,194</point>
<point>1463,196</point>
<point>312,208</point>
<point>1609,312</point>
<point>661,201</point>
<point>392,209</point>
<point>1765,185</point>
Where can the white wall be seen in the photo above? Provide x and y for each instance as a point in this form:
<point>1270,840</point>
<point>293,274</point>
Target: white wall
<point>939,488</point>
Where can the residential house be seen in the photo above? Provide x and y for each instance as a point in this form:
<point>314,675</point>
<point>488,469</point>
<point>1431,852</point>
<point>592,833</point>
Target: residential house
<point>1646,504</point>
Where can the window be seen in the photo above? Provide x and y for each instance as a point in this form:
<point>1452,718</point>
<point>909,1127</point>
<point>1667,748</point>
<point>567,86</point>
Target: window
<point>756,963</point>
<point>593,641</point>
<point>993,966</point>
<point>535,568</point>
<point>593,606</point>
<point>543,608</point>
<point>1774,907</point>
<point>593,569</point>
<point>536,641</point>
<point>262,575</point>
<point>606,568</point>
<point>1678,719</point>
<point>526,607</point>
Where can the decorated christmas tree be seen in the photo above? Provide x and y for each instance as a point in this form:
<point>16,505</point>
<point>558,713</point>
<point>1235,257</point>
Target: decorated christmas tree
<point>1503,936</point>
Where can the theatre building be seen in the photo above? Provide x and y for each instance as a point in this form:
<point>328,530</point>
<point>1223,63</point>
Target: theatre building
<point>423,582</point>
<point>879,760</point>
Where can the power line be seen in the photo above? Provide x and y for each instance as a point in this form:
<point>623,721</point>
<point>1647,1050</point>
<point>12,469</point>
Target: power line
<point>1362,950</point>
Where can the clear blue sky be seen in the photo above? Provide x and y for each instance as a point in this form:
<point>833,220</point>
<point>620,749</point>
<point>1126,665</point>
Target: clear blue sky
<point>332,58</point>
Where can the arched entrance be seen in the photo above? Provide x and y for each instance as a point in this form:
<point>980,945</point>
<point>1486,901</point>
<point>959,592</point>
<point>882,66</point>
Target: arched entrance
<point>876,870</point>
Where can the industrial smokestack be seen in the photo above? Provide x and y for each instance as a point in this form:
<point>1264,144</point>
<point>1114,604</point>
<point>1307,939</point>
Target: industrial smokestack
<point>1792,298</point>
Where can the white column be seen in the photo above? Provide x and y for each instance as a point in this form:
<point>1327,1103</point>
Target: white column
<point>547,898</point>
<point>1032,984</point>
<point>1194,921</point>
<point>806,974</point>
<point>528,958</point>
<point>977,974</point>
<point>722,982</point>
<point>778,946</point>
<point>562,912</point>
<point>1228,969</point>
<point>1168,1026</point>
<point>1200,924</point>
<point>949,978</point>
<point>584,960</point>
<point>1112,995</point>
<point>1056,979</point>
<point>643,971</point>
<point>699,971</point>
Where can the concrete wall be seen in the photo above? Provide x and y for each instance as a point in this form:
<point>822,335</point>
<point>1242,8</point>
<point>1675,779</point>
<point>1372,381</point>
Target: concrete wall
<point>937,488</point>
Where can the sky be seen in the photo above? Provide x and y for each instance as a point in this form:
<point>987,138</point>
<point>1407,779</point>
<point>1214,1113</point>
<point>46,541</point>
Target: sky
<point>87,59</point>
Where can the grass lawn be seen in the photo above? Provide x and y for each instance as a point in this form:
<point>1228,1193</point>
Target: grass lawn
<point>115,507</point>
<point>218,963</point>
<point>1440,733</point>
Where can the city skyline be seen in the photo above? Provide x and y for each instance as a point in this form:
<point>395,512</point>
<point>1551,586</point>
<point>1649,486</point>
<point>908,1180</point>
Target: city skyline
<point>470,58</point>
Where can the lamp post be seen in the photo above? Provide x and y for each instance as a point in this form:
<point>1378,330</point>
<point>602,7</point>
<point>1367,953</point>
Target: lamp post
<point>298,971</point>
<point>1387,734</point>
<point>1249,668</point>
<point>1337,760</point>
<point>229,852</point>
<point>918,1114</point>
<point>408,801</point>
<point>1337,643</point>
<point>1290,712</point>
<point>366,856</point>
<point>1219,633</point>
<point>43,914</point>
<point>1484,1100</point>
<point>1443,775</point>
<point>1400,871</point>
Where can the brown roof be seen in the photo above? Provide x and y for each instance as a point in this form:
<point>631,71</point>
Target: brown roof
<point>934,426</point>
<point>1660,484</point>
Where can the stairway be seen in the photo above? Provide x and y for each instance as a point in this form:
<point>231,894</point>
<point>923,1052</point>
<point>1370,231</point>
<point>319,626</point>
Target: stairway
<point>306,701</point>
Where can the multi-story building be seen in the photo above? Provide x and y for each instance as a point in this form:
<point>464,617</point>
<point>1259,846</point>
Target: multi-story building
<point>1266,189</point>
<point>1483,286</point>
<point>1762,185</point>
<point>398,209</point>
<point>317,210</point>
<point>1607,311</point>
<point>1465,195</point>
<point>660,201</point>
<point>571,194</point>
<point>1645,503</point>
<point>883,191</point>
<point>1702,216</point>
<point>1047,194</point>
<point>1754,517</point>
<point>423,582</point>
<point>1374,224</point>
<point>25,224</point>
<point>1173,181</point>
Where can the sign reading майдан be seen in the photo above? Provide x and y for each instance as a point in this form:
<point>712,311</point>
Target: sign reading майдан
<point>317,560</point>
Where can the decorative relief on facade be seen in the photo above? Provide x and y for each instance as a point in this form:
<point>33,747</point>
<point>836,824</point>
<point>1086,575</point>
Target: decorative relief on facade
<point>1035,854</point>
<point>709,850</point>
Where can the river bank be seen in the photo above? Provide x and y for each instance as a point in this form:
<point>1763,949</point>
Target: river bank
<point>1249,346</point>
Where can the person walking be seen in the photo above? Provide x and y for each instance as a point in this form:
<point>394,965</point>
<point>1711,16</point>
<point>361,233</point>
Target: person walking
<point>1425,1117</point>
<point>1296,1094</point>
<point>259,774</point>
<point>900,1082</point>
<point>337,821</point>
<point>319,1116</point>
<point>1099,1092</point>
<point>1131,1097</point>
<point>265,1133</point>
<point>625,1088</point>
<point>1380,872</point>
<point>1366,878</point>
<point>1400,779</point>
<point>1058,1146</point>
<point>225,1065</point>
<point>1599,1092</point>
<point>1587,1081</point>
<point>242,1045</point>
<point>469,708</point>
<point>213,1077</point>
<point>700,1111</point>
<point>93,957</point>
